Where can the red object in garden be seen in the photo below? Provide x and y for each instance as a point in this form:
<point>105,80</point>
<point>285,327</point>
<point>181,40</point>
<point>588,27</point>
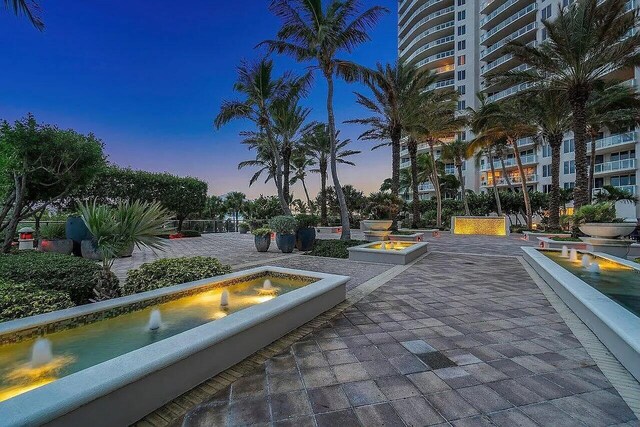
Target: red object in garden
<point>176,236</point>
<point>26,236</point>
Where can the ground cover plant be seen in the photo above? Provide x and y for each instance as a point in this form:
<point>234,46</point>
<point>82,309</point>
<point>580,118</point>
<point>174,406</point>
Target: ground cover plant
<point>333,248</point>
<point>19,300</point>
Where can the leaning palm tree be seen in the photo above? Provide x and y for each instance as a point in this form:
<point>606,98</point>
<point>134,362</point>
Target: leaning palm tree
<point>587,40</point>
<point>310,32</point>
<point>265,164</point>
<point>394,88</point>
<point>317,144</point>
<point>28,8</point>
<point>261,91</point>
<point>456,152</point>
<point>300,163</point>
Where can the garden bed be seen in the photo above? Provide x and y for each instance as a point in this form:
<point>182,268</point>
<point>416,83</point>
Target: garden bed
<point>333,248</point>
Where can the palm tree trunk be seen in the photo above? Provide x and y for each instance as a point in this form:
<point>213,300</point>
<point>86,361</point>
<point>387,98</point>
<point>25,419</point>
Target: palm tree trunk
<point>495,186</point>
<point>592,168</point>
<point>395,170</point>
<point>579,102</point>
<point>323,193</point>
<point>506,174</point>
<point>555,141</point>
<point>344,212</point>
<point>278,173</point>
<point>523,180</point>
<point>436,185</point>
<point>286,171</point>
<point>306,193</point>
<point>415,205</point>
<point>464,195</point>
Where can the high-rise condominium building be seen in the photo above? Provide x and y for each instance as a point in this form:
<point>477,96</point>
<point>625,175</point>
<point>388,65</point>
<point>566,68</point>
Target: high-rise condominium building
<point>462,41</point>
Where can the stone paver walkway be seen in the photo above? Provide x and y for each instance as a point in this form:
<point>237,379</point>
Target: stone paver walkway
<point>454,340</point>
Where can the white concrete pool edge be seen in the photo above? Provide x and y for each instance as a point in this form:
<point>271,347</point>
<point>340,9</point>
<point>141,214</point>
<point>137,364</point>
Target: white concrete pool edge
<point>615,326</point>
<point>78,391</point>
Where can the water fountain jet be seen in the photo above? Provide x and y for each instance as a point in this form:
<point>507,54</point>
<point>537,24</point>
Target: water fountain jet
<point>573,255</point>
<point>586,260</point>
<point>224,298</point>
<point>41,353</point>
<point>594,267</point>
<point>155,320</point>
<point>565,252</point>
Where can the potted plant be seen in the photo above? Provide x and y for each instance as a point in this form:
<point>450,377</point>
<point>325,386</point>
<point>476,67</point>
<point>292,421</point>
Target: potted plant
<point>285,227</point>
<point>381,209</point>
<point>53,239</point>
<point>262,238</point>
<point>243,227</point>
<point>599,220</point>
<point>306,232</point>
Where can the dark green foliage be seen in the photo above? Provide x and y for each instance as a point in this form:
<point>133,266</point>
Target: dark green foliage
<point>566,239</point>
<point>283,224</point>
<point>243,227</point>
<point>264,231</point>
<point>172,271</point>
<point>190,233</point>
<point>334,248</point>
<point>306,221</point>
<point>51,271</point>
<point>598,213</point>
<point>24,299</point>
<point>52,231</point>
<point>381,206</point>
<point>262,208</point>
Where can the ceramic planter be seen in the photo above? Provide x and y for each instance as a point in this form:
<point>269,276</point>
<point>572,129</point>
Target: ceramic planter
<point>89,250</point>
<point>375,225</point>
<point>305,238</point>
<point>262,242</point>
<point>286,242</point>
<point>59,246</point>
<point>609,230</point>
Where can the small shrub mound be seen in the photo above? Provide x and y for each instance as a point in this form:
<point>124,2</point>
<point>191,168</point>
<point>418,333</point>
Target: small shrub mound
<point>566,239</point>
<point>190,233</point>
<point>333,248</point>
<point>51,271</point>
<point>25,299</point>
<point>172,271</point>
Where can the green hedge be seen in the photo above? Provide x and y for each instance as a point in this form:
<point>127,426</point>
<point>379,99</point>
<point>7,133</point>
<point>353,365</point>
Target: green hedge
<point>24,299</point>
<point>73,275</point>
<point>333,248</point>
<point>172,271</point>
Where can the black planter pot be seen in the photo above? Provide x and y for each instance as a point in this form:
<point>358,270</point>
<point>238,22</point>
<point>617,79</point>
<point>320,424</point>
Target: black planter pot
<point>89,250</point>
<point>305,238</point>
<point>286,242</point>
<point>262,242</point>
<point>76,230</point>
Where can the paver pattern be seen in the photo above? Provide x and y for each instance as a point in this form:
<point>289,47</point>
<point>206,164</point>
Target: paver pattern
<point>454,340</point>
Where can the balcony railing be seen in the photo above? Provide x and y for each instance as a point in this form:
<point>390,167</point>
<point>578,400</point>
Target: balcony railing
<point>426,33</point>
<point>629,188</point>
<point>525,141</point>
<point>438,42</point>
<point>510,162</point>
<point>441,55</point>
<point>508,92</point>
<point>508,21</point>
<point>497,45</point>
<point>415,13</point>
<point>441,84</point>
<point>615,140</point>
<point>513,179</point>
<point>616,165</point>
<point>506,5</point>
<point>429,17</point>
<point>426,186</point>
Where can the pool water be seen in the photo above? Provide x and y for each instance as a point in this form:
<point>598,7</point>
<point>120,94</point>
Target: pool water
<point>88,345</point>
<point>617,281</point>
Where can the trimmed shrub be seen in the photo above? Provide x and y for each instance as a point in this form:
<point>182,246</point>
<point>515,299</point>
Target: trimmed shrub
<point>264,231</point>
<point>52,231</point>
<point>306,221</point>
<point>190,233</point>
<point>334,248</point>
<point>172,271</point>
<point>25,299</point>
<point>243,227</point>
<point>51,271</point>
<point>283,224</point>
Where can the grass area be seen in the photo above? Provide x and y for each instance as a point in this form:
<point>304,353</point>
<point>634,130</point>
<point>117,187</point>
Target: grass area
<point>566,239</point>
<point>333,248</point>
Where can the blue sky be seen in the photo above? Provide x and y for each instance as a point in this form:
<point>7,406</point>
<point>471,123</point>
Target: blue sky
<point>148,78</point>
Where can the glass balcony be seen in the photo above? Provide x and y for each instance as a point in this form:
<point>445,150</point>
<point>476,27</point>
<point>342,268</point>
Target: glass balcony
<point>630,188</point>
<point>510,162</point>
<point>615,140</point>
<point>617,165</point>
<point>515,180</point>
<point>426,186</point>
<point>522,12</point>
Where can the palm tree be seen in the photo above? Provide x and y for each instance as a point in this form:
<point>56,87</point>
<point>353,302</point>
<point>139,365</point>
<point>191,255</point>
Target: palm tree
<point>310,32</point>
<point>28,8</point>
<point>456,152</point>
<point>261,91</point>
<point>316,142</point>
<point>264,162</point>
<point>300,163</point>
<point>235,201</point>
<point>613,194</point>
<point>550,112</point>
<point>395,88</point>
<point>587,40</point>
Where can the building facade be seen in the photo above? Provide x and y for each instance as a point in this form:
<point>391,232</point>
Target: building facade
<point>462,41</point>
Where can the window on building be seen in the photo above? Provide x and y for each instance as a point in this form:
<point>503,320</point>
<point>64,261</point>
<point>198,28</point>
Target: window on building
<point>462,59</point>
<point>569,185</point>
<point>461,15</point>
<point>462,105</point>
<point>461,2</point>
<point>462,136</point>
<point>623,155</point>
<point>546,171</point>
<point>569,146</point>
<point>544,34</point>
<point>546,150</point>
<point>462,29</point>
<point>569,167</point>
<point>546,188</point>
<point>546,12</point>
<point>462,45</point>
<point>462,89</point>
<point>617,181</point>
<point>462,75</point>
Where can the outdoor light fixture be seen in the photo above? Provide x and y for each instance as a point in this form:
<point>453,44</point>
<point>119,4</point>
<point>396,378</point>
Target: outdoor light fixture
<point>26,238</point>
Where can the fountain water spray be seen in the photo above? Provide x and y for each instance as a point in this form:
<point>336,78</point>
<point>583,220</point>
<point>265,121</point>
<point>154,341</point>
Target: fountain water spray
<point>383,246</point>
<point>41,353</point>
<point>573,255</point>
<point>224,298</point>
<point>155,320</point>
<point>594,267</point>
<point>267,285</point>
<point>586,260</point>
<point>565,252</point>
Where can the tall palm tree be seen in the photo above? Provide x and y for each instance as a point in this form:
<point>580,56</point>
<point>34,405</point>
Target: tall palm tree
<point>264,162</point>
<point>550,111</point>
<point>235,201</point>
<point>456,152</point>
<point>28,8</point>
<point>310,32</point>
<point>395,88</point>
<point>300,163</point>
<point>317,144</point>
<point>261,90</point>
<point>587,40</point>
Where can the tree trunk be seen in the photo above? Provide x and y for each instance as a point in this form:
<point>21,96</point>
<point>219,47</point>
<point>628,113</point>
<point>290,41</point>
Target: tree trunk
<point>8,204</point>
<point>344,212</point>
<point>506,174</point>
<point>278,173</point>
<point>286,168</point>
<point>523,180</point>
<point>464,195</point>
<point>578,102</point>
<point>495,186</point>
<point>436,185</point>
<point>555,142</point>
<point>20,183</point>
<point>306,193</point>
<point>395,170</point>
<point>592,169</point>
<point>180,222</point>
<point>415,205</point>
<point>323,193</point>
